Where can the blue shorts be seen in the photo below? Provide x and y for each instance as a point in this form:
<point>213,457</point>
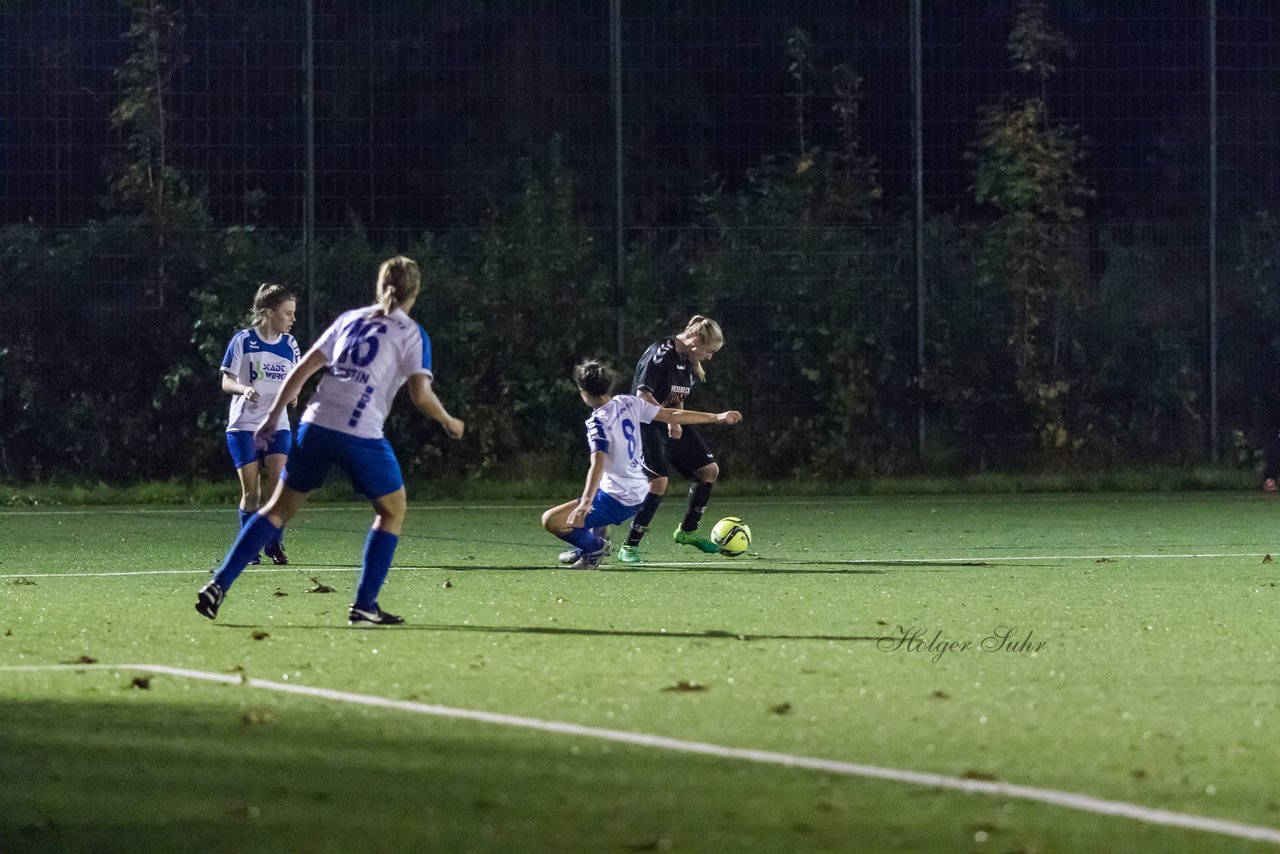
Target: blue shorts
<point>370,463</point>
<point>240,444</point>
<point>607,510</point>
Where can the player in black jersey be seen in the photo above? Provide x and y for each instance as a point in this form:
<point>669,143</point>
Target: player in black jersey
<point>665,375</point>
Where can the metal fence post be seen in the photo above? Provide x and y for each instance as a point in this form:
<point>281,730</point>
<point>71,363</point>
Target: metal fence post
<point>1214,451</point>
<point>309,191</point>
<point>917,180</point>
<point>619,236</point>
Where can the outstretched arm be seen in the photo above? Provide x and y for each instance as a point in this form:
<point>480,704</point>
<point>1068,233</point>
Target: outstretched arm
<point>298,376</point>
<point>424,397</point>
<point>692,416</point>
<point>673,428</point>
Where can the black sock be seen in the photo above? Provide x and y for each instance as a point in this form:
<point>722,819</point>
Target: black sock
<point>699,495</point>
<point>641,523</point>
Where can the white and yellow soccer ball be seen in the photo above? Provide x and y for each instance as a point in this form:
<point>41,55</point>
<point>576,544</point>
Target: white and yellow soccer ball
<point>732,535</point>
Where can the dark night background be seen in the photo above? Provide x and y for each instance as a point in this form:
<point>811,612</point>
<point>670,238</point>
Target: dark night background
<point>480,136</point>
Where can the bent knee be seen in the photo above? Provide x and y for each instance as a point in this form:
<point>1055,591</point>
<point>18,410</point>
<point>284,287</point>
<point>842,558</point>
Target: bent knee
<point>658,486</point>
<point>391,516</point>
<point>708,473</point>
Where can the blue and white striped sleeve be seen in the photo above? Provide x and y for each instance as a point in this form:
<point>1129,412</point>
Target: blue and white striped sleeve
<point>417,354</point>
<point>234,355</point>
<point>597,436</point>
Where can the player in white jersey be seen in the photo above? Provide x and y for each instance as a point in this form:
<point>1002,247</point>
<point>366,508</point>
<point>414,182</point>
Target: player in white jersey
<point>253,370</point>
<point>616,481</point>
<point>369,354</point>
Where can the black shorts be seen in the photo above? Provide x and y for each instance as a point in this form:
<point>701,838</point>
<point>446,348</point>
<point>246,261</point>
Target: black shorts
<point>662,453</point>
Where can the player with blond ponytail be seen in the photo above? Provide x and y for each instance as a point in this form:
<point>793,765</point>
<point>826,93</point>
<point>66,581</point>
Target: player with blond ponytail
<point>399,280</point>
<point>253,370</point>
<point>369,353</point>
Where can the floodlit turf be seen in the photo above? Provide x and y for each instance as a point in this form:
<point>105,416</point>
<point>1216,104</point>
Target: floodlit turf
<point>1155,685</point>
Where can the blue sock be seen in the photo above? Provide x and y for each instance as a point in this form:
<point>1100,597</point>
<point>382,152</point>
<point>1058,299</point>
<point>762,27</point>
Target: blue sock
<point>246,515</point>
<point>379,548</point>
<point>253,536</point>
<point>583,538</point>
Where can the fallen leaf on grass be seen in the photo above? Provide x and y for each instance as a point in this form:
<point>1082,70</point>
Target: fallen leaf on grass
<point>252,717</point>
<point>972,774</point>
<point>259,634</point>
<point>780,709</point>
<point>1266,558</point>
<point>682,685</point>
<point>24,582</point>
<point>447,584</point>
<point>143,682</point>
<point>941,695</point>
<point>279,592</point>
<point>320,588</point>
<point>84,659</point>
<point>1104,560</point>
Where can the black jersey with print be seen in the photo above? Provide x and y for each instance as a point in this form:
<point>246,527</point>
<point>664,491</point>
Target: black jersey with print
<point>664,373</point>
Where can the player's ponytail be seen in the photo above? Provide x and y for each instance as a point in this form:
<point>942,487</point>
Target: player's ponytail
<point>708,333</point>
<point>593,378</point>
<point>399,280</point>
<point>269,298</point>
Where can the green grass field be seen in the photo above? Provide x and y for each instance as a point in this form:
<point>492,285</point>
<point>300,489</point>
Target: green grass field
<point>1155,685</point>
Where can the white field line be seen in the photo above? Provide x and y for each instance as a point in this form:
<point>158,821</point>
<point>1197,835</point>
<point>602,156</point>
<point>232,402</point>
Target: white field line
<point>784,501</point>
<point>229,509</point>
<point>306,511</point>
<point>1053,797</point>
<point>728,567</point>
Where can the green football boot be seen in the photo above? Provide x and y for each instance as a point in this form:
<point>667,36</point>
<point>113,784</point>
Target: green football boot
<point>693,538</point>
<point>629,554</point>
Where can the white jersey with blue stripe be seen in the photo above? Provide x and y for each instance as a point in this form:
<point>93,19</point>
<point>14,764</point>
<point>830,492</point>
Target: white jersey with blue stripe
<point>369,355</point>
<point>254,361</point>
<point>614,430</point>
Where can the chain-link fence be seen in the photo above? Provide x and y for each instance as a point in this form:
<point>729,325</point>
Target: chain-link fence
<point>951,232</point>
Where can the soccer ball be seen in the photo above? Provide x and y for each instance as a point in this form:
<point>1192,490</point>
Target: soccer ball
<point>732,535</point>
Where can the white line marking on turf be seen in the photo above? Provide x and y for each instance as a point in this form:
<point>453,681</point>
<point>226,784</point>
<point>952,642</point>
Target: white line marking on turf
<point>206,571</point>
<point>870,561</point>
<point>780,501</point>
<point>166,511</point>
<point>1053,797</point>
<point>1008,558</point>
